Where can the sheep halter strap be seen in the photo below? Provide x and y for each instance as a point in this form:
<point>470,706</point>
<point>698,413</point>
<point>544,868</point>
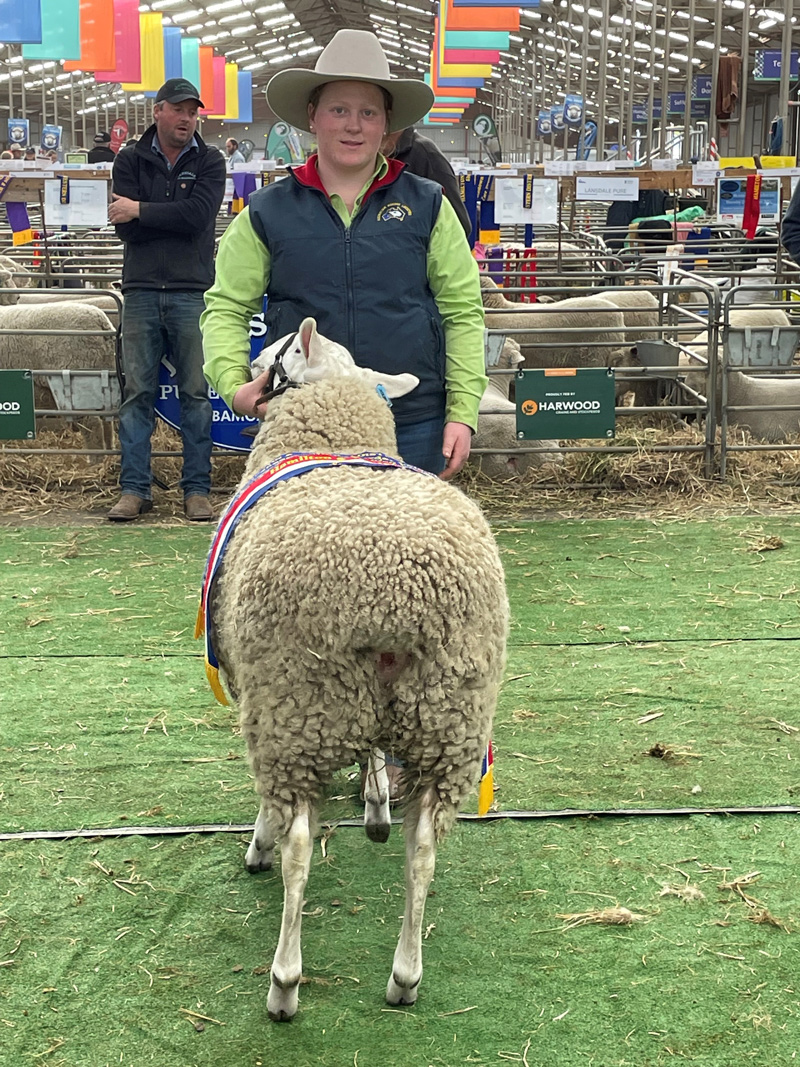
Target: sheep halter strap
<point>287,466</point>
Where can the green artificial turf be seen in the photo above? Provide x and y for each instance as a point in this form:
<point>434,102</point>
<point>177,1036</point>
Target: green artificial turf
<point>628,638</point>
<point>650,665</point>
<point>102,944</point>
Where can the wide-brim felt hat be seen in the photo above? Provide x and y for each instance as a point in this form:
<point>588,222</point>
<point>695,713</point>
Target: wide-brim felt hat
<point>351,55</point>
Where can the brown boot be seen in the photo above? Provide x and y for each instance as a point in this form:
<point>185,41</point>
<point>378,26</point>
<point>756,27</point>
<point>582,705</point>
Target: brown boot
<point>197,508</point>
<point>129,507</point>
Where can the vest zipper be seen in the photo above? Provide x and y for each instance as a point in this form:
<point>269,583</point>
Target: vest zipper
<point>348,264</point>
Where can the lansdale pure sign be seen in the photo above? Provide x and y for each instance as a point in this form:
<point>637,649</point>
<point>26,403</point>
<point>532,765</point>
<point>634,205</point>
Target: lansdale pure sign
<point>17,421</point>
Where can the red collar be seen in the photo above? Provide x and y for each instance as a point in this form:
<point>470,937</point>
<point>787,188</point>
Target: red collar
<point>308,175</point>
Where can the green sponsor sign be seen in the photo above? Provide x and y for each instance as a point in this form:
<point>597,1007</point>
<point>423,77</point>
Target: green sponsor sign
<point>17,421</point>
<point>565,404</point>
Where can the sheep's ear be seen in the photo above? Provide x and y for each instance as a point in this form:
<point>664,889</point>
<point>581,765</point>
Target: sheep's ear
<point>306,335</point>
<point>395,384</point>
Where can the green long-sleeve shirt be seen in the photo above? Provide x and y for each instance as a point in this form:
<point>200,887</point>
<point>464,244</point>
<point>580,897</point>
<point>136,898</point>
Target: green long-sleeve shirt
<point>242,277</point>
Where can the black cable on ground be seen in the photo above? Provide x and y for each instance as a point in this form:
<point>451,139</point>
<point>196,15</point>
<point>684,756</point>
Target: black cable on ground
<point>492,816</point>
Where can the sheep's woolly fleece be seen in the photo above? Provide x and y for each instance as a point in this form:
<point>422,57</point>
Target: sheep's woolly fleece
<point>332,569</point>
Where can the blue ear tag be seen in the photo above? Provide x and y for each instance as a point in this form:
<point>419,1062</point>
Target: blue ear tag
<point>381,391</point>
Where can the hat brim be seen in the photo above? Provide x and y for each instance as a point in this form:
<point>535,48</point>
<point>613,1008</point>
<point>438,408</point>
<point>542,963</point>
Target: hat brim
<point>288,92</point>
<point>179,99</point>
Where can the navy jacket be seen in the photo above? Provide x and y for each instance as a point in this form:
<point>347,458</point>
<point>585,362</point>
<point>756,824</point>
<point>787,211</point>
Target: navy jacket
<point>366,286</point>
<point>171,244</point>
<point>790,227</point>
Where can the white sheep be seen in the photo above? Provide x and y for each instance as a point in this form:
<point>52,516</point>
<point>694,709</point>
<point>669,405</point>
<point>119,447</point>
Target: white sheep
<point>557,345</point>
<point>356,611</point>
<point>497,427</point>
<point>91,347</point>
<point>744,388</point>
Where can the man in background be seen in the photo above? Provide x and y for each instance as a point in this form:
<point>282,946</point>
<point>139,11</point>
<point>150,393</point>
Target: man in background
<point>422,157</point>
<point>234,155</point>
<point>167,191</point>
<point>101,153</point>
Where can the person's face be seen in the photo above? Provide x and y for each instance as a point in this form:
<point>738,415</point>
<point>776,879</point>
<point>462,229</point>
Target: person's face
<point>349,123</point>
<point>230,147</point>
<point>176,123</point>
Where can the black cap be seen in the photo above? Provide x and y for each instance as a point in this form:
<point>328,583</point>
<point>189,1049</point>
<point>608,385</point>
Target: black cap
<point>102,138</point>
<point>176,90</point>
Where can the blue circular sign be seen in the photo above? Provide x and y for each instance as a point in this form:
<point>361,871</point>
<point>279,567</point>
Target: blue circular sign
<point>226,425</point>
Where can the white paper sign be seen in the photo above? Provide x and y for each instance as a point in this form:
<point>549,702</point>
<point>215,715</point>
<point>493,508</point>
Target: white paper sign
<point>508,202</point>
<point>664,164</point>
<point>606,188</point>
<point>706,173</point>
<point>88,204</point>
<point>559,168</point>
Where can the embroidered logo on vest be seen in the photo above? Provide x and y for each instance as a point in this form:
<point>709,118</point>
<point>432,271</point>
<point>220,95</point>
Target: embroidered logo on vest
<point>394,212</point>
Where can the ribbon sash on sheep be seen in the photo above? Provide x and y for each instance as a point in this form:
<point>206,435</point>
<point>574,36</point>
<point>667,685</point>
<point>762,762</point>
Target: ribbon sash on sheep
<point>290,466</point>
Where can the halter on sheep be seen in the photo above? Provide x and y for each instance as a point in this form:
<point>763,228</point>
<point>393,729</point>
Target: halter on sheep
<point>384,626</point>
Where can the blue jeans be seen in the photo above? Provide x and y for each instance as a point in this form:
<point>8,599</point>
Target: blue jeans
<point>150,318</point>
<point>420,444</point>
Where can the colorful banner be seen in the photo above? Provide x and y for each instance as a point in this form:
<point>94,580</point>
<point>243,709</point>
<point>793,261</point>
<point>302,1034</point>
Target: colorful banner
<point>97,37</point>
<point>231,111</point>
<point>61,32</point>
<point>18,132</point>
<point>207,86</point>
<point>20,23</point>
<point>245,90</point>
<point>481,18</point>
<point>476,39</point>
<point>151,43</point>
<point>127,45</point>
<point>173,53</point>
<point>190,61</point>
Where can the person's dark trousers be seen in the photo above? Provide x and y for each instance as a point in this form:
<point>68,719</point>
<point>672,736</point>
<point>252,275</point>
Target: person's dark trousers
<point>150,318</point>
<point>420,444</point>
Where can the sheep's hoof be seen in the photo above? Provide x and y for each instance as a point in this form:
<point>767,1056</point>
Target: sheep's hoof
<point>400,993</point>
<point>378,831</point>
<point>282,1001</point>
<point>257,859</point>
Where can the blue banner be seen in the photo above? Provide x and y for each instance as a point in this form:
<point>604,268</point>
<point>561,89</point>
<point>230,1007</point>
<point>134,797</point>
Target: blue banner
<point>640,111</point>
<point>20,23</point>
<point>767,65</point>
<point>544,125</point>
<point>18,132</point>
<point>573,109</point>
<point>701,87</point>
<point>51,138</point>
<point>557,118</point>
<point>173,60</point>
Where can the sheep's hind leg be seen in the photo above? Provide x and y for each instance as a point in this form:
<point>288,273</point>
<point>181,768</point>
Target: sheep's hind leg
<point>420,863</point>
<point>287,966</point>
<point>377,820</point>
<point>261,850</point>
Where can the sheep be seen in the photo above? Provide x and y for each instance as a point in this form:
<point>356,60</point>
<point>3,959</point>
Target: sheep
<point>556,345</point>
<point>356,610</point>
<point>24,277</point>
<point>97,298</point>
<point>497,427</point>
<point>22,350</point>
<point>745,388</point>
<point>641,314</point>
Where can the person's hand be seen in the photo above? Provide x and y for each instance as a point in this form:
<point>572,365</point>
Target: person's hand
<point>121,209</point>
<point>245,397</point>
<point>455,448</point>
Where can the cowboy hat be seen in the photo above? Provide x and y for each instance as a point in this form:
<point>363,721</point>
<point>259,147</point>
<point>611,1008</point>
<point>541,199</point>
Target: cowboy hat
<point>352,55</point>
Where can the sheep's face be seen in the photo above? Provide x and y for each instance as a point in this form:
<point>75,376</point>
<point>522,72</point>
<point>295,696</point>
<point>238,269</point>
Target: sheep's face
<point>312,358</point>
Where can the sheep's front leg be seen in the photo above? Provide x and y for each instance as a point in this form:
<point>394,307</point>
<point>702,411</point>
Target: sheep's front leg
<point>261,851</point>
<point>287,966</point>
<point>420,863</point>
<point>377,820</point>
